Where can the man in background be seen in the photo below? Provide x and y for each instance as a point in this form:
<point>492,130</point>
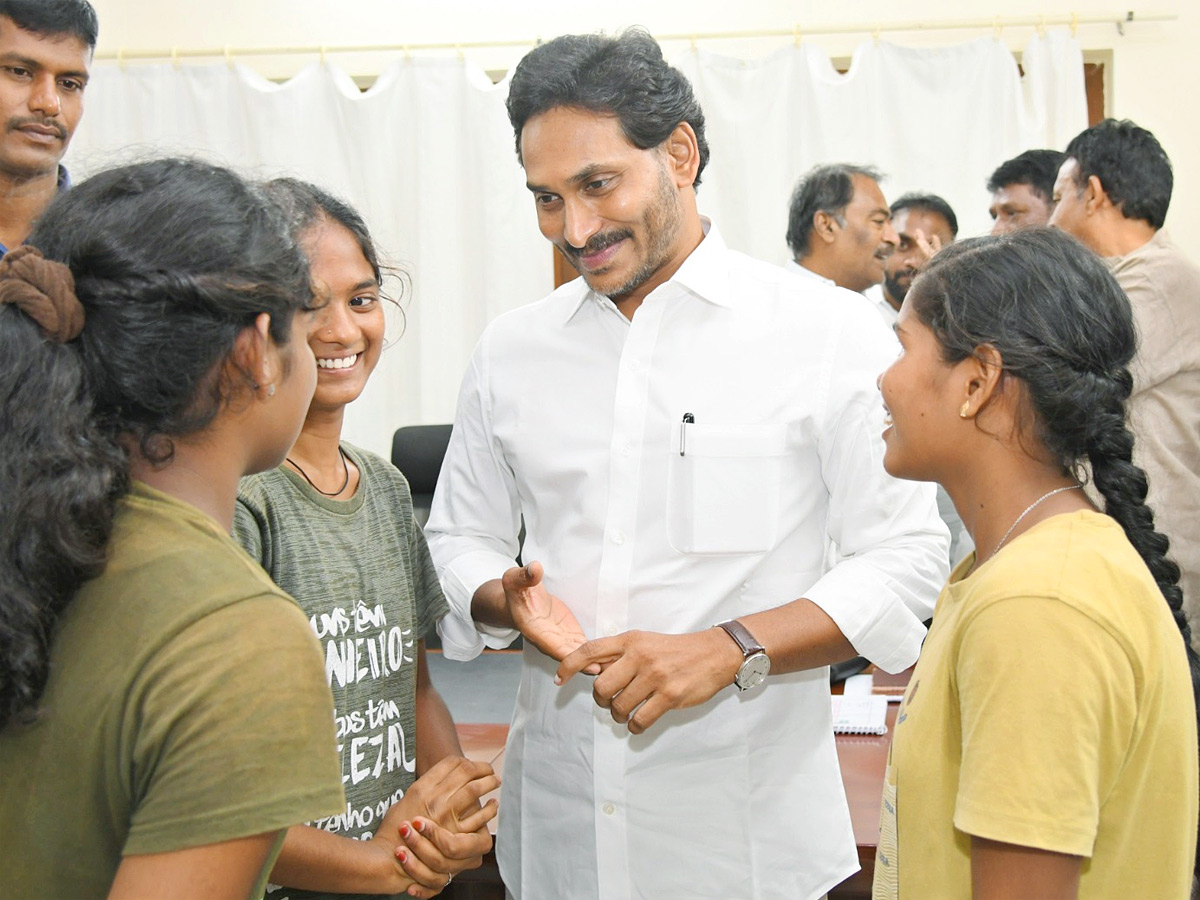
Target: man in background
<point>1022,190</point>
<point>840,228</point>
<point>1112,192</point>
<point>45,51</point>
<point>924,224</point>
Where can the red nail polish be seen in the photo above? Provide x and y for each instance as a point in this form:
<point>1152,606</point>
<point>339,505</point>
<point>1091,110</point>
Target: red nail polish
<point>402,854</point>
<point>420,825</point>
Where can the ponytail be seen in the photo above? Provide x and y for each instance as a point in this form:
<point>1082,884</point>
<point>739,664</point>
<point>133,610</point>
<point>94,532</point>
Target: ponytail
<point>162,265</point>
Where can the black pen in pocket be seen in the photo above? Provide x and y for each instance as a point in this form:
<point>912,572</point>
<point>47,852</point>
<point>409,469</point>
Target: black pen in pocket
<point>688,419</point>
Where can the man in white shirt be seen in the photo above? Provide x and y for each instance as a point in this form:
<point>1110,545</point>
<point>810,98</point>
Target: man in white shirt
<point>840,229</point>
<point>680,431</point>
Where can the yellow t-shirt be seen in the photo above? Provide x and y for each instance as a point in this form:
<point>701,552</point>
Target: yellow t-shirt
<point>1051,707</point>
<point>186,705</point>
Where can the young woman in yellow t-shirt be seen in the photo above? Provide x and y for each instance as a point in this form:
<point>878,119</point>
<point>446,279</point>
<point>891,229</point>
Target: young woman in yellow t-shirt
<point>1047,743</point>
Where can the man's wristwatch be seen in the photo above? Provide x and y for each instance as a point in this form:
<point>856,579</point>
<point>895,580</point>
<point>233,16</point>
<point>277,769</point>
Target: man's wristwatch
<point>755,662</point>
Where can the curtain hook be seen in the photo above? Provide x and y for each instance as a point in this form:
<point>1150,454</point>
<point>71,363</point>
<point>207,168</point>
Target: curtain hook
<point>175,57</point>
<point>323,60</point>
<point>1041,29</point>
<point>459,50</point>
<point>121,58</point>
<point>796,35</point>
<point>1074,24</point>
<point>997,28</point>
<point>407,53</point>
<point>875,33</point>
<point>229,56</point>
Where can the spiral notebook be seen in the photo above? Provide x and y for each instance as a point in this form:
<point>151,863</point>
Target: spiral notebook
<point>865,714</point>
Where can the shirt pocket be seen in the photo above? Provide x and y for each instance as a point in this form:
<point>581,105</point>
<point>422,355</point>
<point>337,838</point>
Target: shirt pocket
<point>723,488</point>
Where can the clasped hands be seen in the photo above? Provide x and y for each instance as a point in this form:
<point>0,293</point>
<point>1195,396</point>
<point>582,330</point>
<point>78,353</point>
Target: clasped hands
<point>639,674</point>
<point>438,828</point>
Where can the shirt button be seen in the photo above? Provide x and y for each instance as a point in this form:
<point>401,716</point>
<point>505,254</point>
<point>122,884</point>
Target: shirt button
<point>635,365</point>
<point>609,809</point>
<point>618,537</point>
<point>626,449</point>
<point>612,630</point>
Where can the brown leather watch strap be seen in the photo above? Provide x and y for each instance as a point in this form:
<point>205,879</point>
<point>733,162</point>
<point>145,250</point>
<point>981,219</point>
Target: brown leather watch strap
<point>742,637</point>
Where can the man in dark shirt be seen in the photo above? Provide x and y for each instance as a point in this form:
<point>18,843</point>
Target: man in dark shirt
<point>45,50</point>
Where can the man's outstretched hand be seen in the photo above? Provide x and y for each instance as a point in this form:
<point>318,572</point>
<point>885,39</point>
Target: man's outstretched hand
<point>543,619</point>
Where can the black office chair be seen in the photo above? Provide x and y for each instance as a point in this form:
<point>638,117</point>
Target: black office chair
<point>417,451</point>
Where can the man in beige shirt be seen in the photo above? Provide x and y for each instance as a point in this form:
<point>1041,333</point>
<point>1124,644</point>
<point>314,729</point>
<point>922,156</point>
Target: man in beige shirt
<point>1112,193</point>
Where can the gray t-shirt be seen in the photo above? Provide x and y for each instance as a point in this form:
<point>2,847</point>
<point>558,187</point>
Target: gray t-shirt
<point>361,571</point>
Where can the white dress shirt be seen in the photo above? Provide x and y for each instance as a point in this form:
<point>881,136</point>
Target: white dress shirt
<point>570,415</point>
<point>875,294</point>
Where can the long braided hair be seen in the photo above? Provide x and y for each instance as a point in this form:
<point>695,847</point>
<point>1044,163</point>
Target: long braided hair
<point>1065,328</point>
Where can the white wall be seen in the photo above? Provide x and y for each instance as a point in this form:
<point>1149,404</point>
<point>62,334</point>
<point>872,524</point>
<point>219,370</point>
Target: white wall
<point>1153,64</point>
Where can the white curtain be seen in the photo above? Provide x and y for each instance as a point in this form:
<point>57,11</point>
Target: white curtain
<point>427,156</point>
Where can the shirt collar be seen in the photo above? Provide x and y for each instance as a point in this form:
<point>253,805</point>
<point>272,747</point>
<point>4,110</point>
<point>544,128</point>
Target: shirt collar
<point>792,266</point>
<point>704,273</point>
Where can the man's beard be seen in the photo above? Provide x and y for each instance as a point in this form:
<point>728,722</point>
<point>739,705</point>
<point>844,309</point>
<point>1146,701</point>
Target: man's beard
<point>660,227</point>
<point>894,288</point>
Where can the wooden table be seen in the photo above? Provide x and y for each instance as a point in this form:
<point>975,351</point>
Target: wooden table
<point>863,760</point>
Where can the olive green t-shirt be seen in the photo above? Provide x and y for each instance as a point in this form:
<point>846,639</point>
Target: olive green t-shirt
<point>186,705</point>
<point>1051,708</point>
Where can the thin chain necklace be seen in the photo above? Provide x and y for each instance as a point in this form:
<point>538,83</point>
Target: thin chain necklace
<point>345,468</point>
<point>1030,508</point>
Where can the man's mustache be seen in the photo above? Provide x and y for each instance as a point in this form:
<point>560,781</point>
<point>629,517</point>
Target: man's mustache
<point>18,122</point>
<point>599,242</point>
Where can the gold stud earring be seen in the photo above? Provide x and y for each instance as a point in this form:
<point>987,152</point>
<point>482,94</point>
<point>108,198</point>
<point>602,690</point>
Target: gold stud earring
<point>964,409</point>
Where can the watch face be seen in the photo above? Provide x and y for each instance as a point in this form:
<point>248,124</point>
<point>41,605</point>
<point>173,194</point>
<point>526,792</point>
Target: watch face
<point>754,669</point>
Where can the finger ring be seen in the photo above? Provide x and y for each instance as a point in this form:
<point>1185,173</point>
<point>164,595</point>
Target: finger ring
<point>449,878</point>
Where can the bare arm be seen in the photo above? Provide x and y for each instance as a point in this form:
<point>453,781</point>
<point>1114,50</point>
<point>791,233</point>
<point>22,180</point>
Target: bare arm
<point>446,802</point>
<point>316,860</point>
<point>436,737</point>
<point>230,869</point>
<point>1007,872</point>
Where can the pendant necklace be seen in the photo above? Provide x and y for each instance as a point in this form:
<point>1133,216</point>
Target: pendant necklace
<point>346,481</point>
<point>1030,508</point>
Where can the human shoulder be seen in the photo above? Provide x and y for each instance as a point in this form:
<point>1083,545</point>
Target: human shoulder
<point>805,302</point>
<point>539,316</point>
<point>1081,561</point>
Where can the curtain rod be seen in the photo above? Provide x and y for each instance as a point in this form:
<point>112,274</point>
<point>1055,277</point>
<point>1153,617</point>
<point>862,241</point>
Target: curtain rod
<point>798,31</point>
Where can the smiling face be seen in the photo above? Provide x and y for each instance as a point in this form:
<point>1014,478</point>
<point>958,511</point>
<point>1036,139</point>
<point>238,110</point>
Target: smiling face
<point>1018,206</point>
<point>922,394</point>
<point>902,266</point>
<point>613,210</point>
<point>42,78</point>
<point>346,333</point>
<point>864,244</point>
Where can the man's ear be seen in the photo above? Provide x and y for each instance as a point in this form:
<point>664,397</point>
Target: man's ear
<point>825,226</point>
<point>254,356</point>
<point>1095,198</point>
<point>683,152</point>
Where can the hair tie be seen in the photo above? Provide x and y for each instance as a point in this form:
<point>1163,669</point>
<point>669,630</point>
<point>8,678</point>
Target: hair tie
<point>44,290</point>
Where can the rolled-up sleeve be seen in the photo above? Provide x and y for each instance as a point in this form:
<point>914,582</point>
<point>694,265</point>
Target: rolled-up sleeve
<point>892,548</point>
<point>475,517</point>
